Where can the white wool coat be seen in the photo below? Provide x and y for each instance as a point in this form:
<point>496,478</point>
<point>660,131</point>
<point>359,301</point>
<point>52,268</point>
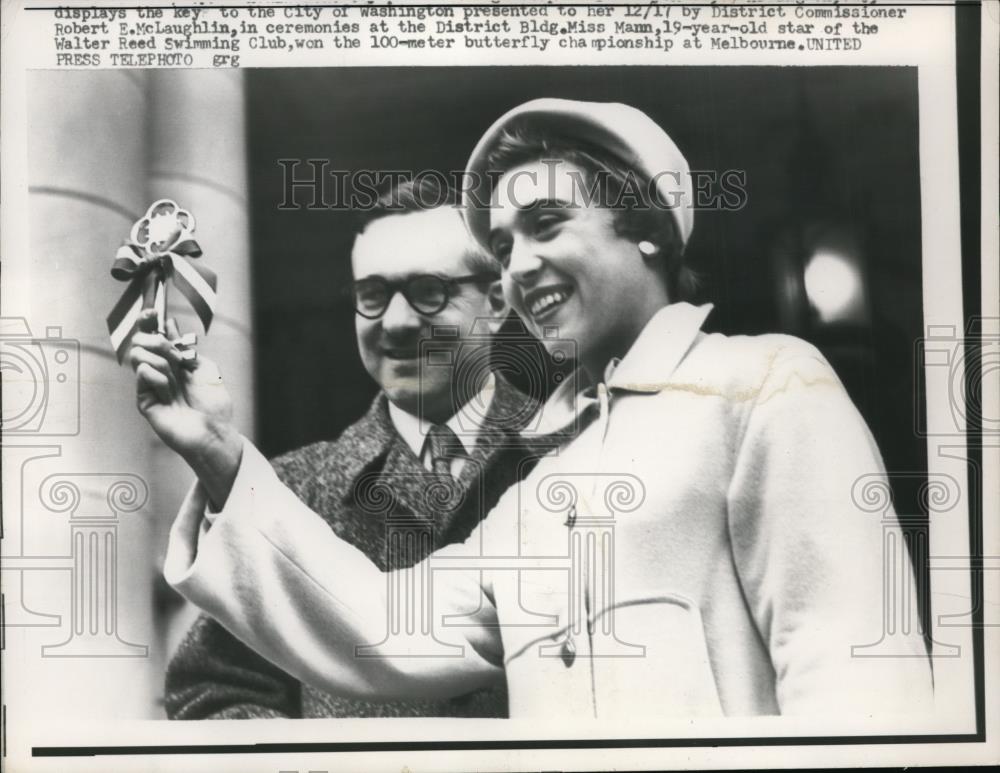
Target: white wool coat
<point>695,550</point>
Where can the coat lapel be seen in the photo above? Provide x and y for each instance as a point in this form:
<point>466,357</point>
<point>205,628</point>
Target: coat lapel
<point>382,452</point>
<point>407,478</point>
<point>369,439</point>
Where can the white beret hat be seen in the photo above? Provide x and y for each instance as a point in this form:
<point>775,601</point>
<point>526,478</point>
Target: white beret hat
<point>622,130</point>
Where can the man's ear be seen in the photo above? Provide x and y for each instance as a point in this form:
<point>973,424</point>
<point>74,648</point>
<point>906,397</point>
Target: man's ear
<point>497,306</point>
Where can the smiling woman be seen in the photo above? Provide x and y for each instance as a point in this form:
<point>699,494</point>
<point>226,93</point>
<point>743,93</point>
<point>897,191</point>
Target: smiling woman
<point>646,204</point>
<point>569,266</point>
<point>570,217</point>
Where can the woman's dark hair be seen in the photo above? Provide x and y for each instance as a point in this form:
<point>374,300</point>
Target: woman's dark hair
<point>639,211</point>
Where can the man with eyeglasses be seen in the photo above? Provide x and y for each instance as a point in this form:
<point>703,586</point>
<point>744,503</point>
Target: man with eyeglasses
<point>427,302</point>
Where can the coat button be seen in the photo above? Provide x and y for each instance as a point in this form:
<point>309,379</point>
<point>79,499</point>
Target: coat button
<point>568,652</point>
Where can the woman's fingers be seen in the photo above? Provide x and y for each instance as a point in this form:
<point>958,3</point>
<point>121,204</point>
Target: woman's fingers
<point>139,357</point>
<point>157,344</point>
<point>140,354</point>
<point>151,379</point>
<point>184,344</point>
<point>179,350</point>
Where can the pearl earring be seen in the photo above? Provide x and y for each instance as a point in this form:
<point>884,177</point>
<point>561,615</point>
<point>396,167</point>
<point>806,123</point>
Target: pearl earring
<point>647,248</point>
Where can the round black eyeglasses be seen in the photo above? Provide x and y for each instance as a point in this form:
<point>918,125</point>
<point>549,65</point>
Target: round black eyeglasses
<point>427,294</point>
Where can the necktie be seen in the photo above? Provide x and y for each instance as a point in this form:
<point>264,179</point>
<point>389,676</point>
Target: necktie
<point>443,446</point>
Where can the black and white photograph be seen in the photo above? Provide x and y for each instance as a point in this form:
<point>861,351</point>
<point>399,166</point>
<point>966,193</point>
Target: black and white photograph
<point>504,407</point>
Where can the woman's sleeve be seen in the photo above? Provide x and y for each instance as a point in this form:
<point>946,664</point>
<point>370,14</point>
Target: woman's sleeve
<point>274,574</point>
<point>810,560</point>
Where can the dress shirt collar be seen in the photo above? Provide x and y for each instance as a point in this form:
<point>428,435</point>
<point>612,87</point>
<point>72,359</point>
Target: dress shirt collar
<point>646,368</point>
<point>466,423</point>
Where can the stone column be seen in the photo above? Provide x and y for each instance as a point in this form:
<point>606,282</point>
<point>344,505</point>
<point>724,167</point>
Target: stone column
<point>87,146</point>
<point>101,147</point>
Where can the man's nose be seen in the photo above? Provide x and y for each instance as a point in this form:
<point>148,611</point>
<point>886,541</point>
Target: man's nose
<point>524,263</point>
<point>399,315</point>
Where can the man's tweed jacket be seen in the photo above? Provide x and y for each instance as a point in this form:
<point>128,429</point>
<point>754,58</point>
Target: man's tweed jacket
<point>214,675</point>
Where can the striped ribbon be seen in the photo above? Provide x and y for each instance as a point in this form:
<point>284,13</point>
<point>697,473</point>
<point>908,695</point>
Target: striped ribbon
<point>145,272</point>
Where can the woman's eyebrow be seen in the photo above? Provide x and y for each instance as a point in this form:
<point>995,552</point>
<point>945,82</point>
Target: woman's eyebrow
<point>553,203</point>
<point>523,212</point>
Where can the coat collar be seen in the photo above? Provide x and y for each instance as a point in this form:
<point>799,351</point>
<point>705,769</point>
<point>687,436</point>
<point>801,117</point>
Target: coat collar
<point>659,349</point>
<point>645,369</point>
<point>370,438</point>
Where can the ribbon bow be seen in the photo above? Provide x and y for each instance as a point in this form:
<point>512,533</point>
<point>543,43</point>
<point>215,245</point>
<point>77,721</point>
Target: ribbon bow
<point>160,248</point>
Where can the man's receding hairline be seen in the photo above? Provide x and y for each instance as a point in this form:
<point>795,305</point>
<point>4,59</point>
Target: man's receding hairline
<point>472,254</point>
<point>392,213</point>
